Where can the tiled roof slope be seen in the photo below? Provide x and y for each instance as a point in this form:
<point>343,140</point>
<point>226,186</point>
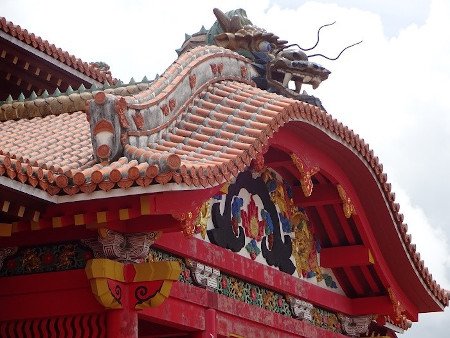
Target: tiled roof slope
<point>205,140</point>
<point>57,53</point>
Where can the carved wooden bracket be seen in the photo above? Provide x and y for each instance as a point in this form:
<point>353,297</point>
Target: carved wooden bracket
<point>300,308</point>
<point>347,205</point>
<point>122,247</point>
<point>6,252</point>
<point>132,286</point>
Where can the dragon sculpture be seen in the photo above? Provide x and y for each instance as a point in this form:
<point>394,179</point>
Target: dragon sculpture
<point>138,126</point>
<point>275,61</point>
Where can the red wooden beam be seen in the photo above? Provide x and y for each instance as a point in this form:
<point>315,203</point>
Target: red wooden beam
<point>331,228</point>
<point>370,280</point>
<point>343,256</point>
<point>183,299</point>
<point>344,223</point>
<point>241,267</point>
<point>232,316</point>
<point>46,295</point>
<point>321,195</point>
<point>150,212</point>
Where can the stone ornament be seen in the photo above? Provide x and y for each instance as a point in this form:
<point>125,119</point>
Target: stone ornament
<point>355,326</point>
<point>204,275</point>
<point>301,309</point>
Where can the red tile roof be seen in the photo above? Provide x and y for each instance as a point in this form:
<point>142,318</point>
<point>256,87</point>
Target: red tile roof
<point>221,127</point>
<point>57,53</point>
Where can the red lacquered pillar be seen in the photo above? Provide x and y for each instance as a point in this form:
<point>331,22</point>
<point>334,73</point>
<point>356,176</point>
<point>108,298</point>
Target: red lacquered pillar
<point>121,323</point>
<point>210,325</point>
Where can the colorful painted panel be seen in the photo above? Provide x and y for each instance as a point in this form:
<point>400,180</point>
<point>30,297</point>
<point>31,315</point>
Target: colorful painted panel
<point>257,218</point>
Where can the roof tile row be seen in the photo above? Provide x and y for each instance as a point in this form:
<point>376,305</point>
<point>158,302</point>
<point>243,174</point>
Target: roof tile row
<point>57,53</point>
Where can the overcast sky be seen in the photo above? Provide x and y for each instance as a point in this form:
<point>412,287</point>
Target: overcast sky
<point>393,89</point>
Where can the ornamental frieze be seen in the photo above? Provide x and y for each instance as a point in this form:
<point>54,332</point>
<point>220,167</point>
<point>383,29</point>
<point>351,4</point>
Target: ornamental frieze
<point>256,217</point>
<point>45,258</point>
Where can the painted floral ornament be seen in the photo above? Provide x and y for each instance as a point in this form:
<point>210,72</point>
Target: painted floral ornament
<point>254,228</point>
<point>202,219</point>
<point>269,228</point>
<point>236,214</point>
<point>253,249</point>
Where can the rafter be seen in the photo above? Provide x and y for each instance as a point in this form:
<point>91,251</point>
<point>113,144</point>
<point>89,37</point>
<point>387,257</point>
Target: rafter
<point>321,195</point>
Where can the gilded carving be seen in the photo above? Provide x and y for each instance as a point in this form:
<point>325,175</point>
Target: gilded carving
<point>399,309</point>
<point>303,246</point>
<point>305,174</point>
<point>347,205</point>
<point>148,286</point>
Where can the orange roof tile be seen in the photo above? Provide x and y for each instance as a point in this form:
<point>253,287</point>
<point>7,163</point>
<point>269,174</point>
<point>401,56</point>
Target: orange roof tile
<point>57,53</point>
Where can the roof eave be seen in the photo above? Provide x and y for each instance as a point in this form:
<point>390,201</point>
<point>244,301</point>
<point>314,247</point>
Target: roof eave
<point>48,58</point>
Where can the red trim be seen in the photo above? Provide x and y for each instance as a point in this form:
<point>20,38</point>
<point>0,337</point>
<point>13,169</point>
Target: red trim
<point>150,212</point>
<point>233,317</point>
<point>46,295</point>
<point>268,277</point>
<point>80,326</point>
<point>344,256</point>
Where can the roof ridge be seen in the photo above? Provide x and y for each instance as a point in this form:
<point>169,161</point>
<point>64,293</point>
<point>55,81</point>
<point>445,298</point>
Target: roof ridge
<point>89,69</point>
<point>67,102</point>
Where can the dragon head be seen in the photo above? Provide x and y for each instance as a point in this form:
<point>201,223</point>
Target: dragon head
<point>281,68</point>
<point>276,62</point>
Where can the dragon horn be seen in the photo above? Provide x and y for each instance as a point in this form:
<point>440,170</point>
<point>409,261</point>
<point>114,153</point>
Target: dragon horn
<point>223,20</point>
